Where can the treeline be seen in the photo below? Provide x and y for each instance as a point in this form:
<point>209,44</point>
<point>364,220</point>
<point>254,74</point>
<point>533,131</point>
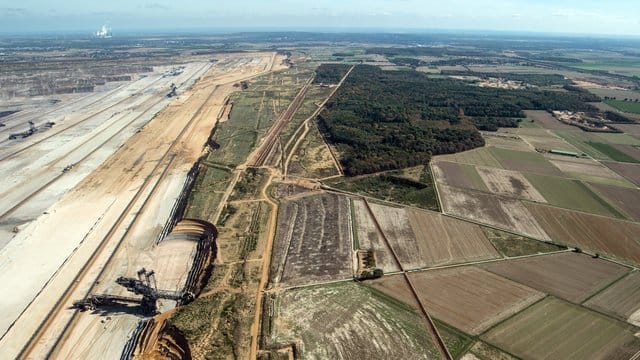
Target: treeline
<point>493,123</point>
<point>330,73</point>
<point>617,118</point>
<point>478,61</point>
<point>425,51</point>
<point>382,120</point>
<point>533,79</point>
<point>407,61</point>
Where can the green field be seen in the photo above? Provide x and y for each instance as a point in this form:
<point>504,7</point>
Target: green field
<point>393,187</point>
<point>555,329</point>
<point>623,139</point>
<point>580,141</point>
<point>455,340</point>
<point>612,152</point>
<point>343,320</point>
<point>626,106</point>
<point>571,194</point>
<point>511,245</point>
<point>524,161</point>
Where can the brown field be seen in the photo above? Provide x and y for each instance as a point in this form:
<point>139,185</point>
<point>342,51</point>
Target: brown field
<point>471,299</point>
<point>370,238</point>
<point>467,298</point>
<point>568,275</point>
<point>547,121</point>
<point>458,175</point>
<point>396,227</point>
<point>422,239</point>
<point>508,182</point>
<point>313,240</point>
<point>443,240</point>
<point>627,200</point>
<point>615,238</point>
<point>489,209</point>
<point>554,329</point>
<point>629,171</point>
<point>621,300</point>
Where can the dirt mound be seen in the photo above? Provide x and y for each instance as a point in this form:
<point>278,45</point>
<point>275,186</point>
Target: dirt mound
<point>161,340</point>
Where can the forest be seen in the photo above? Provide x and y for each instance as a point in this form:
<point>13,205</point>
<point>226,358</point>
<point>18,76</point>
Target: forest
<point>330,73</point>
<point>383,120</point>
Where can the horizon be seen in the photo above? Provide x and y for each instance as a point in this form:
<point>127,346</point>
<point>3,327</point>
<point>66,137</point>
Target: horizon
<point>575,18</point>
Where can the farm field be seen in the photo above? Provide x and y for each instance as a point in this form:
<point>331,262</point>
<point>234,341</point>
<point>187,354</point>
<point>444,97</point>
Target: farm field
<point>581,140</point>
<point>505,141</point>
<point>626,106</point>
<point>631,129</point>
<point>471,299</point>
<point>546,141</point>
<point>349,321</point>
<point>588,170</point>
<point>546,120</point>
<point>509,183</point>
<point>598,234</point>
<point>571,194</point>
<point>531,162</point>
<point>622,299</point>
<point>617,138</point>
<point>630,171</point>
<point>489,209</point>
<point>615,93</point>
<point>368,237</point>
<point>555,329</point>
<point>480,156</point>
<point>313,240</point>
<point>625,199</point>
<point>458,175</point>
<point>510,245</point>
<point>422,239</point>
<point>571,276</point>
<point>617,152</point>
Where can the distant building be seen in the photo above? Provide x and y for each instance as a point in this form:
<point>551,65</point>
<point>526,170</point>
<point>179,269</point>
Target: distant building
<point>104,32</point>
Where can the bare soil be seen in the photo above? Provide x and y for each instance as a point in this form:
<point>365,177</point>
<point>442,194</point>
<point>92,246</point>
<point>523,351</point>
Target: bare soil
<point>313,240</point>
<point>511,183</point>
<point>490,209</point>
<point>469,298</point>
<point>571,276</point>
<point>622,299</point>
<point>615,238</point>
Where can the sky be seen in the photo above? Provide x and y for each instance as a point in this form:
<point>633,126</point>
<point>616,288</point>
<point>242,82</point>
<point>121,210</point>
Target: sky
<point>612,17</point>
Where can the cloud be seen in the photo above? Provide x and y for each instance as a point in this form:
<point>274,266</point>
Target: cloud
<point>13,11</point>
<point>561,13</point>
<point>156,6</point>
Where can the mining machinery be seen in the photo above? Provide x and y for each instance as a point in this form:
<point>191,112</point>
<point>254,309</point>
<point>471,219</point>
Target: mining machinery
<point>145,285</point>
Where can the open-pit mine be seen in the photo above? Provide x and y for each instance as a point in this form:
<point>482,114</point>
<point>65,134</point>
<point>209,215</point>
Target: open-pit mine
<point>94,185</point>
